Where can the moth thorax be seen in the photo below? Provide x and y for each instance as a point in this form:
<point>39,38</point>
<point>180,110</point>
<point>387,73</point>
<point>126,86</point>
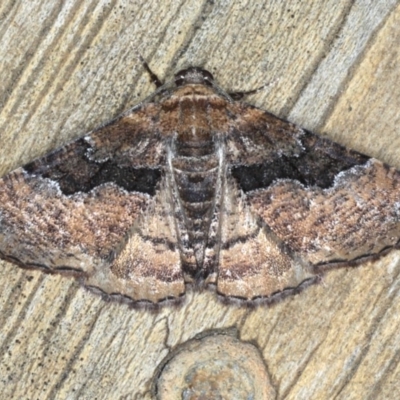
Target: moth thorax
<point>194,142</point>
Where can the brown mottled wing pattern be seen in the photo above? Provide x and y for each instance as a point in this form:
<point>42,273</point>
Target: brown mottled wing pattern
<point>98,208</point>
<point>195,188</point>
<point>298,203</point>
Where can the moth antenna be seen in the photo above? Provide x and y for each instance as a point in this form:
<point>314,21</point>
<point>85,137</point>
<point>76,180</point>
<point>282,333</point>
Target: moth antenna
<point>242,94</point>
<point>153,77</point>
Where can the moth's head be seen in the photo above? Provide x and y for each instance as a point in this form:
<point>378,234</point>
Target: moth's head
<point>193,75</point>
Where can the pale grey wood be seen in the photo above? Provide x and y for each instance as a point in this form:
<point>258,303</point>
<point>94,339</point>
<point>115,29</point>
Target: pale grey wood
<point>69,66</point>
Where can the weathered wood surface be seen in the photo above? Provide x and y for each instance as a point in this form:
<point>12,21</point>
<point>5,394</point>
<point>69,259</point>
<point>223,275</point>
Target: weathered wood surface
<point>67,67</point>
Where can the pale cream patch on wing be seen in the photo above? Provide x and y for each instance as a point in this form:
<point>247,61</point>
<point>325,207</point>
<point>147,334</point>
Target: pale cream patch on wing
<point>252,260</point>
<point>358,216</point>
<point>148,266</point>
<point>40,227</point>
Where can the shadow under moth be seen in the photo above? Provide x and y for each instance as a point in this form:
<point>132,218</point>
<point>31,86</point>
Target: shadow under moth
<point>193,187</point>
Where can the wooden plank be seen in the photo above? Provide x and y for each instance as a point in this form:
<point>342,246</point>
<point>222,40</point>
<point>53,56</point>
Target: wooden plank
<point>67,67</point>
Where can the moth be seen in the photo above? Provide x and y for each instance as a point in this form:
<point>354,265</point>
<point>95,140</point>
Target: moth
<point>193,187</point>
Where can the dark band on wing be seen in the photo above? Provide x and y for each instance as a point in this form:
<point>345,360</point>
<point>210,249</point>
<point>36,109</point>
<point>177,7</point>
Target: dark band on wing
<point>75,172</point>
<point>317,165</point>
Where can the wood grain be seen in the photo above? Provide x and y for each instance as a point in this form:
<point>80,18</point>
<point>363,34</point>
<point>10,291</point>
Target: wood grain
<point>333,67</point>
